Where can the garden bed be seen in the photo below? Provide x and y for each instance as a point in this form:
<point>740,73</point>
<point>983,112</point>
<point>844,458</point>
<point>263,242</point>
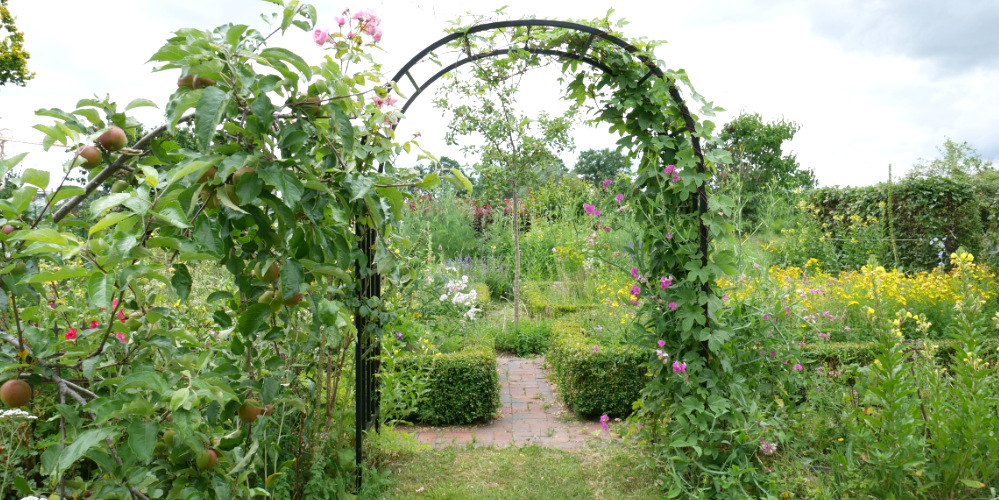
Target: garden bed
<point>593,379</point>
<point>464,386</point>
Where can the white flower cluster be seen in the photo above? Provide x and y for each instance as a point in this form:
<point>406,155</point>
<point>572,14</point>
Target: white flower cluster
<point>16,413</point>
<point>662,356</point>
<point>456,286</point>
<point>31,497</point>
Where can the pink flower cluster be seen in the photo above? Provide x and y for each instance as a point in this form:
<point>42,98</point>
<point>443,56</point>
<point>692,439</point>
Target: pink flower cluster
<point>591,210</point>
<point>671,170</point>
<point>603,421</point>
<point>607,183</point>
<point>368,22</point>
<point>766,447</point>
<point>665,282</point>
<point>381,101</point>
<point>679,368</point>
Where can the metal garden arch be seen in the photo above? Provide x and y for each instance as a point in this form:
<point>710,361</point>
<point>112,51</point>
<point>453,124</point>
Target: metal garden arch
<point>367,348</point>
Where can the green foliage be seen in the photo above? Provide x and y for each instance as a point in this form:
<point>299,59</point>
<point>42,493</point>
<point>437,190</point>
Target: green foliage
<point>539,304</point>
<point>595,379</point>
<point>759,162</point>
<point>13,57</point>
<point>920,210</point>
<point>439,227</point>
<point>528,337</point>
<point>221,269</point>
<point>596,165</point>
<point>464,385</point>
<point>956,161</point>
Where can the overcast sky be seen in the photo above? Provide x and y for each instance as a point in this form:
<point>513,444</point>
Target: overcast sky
<point>871,83</point>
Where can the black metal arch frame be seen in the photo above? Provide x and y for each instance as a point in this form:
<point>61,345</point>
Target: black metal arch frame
<point>367,348</point>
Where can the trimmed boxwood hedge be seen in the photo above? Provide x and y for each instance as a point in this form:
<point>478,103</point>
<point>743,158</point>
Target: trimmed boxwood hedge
<point>538,304</point>
<point>464,385</point>
<point>594,383</point>
<point>864,352</point>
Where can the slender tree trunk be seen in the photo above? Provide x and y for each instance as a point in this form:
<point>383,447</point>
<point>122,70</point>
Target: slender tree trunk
<point>516,257</point>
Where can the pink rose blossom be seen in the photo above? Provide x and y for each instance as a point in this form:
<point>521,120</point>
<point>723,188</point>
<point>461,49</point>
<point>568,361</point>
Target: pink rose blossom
<point>121,315</point>
<point>340,20</point>
<point>71,333</point>
<point>121,337</point>
<point>377,35</point>
<point>320,35</point>
<point>95,324</point>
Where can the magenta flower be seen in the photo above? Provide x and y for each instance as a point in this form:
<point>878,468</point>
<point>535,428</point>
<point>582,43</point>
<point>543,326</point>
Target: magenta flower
<point>607,182</point>
<point>320,35</point>
<point>596,349</point>
<point>121,337</point>
<point>121,315</point>
<point>636,290</point>
<point>619,198</point>
<point>676,177</point>
<point>665,282</point>
<point>669,235</point>
<point>398,335</point>
<point>591,210</point>
<point>767,448</point>
<point>679,368</point>
<point>798,367</point>
<point>672,306</point>
<point>661,343</point>
<point>95,324</point>
<point>669,169</point>
<point>603,421</point>
<point>70,334</point>
<point>634,272</point>
<point>766,316</point>
<point>381,101</point>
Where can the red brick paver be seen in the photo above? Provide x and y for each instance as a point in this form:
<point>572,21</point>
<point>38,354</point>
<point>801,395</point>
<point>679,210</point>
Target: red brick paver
<point>529,413</point>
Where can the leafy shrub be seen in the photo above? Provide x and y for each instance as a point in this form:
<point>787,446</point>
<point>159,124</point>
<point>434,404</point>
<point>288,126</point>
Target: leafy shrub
<point>530,337</point>
<point>538,303</point>
<point>919,210</point>
<point>593,379</point>
<point>464,385</point>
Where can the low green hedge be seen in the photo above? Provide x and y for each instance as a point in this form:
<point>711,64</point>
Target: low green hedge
<point>864,352</point>
<point>464,385</point>
<point>530,338</point>
<point>607,381</point>
<point>538,304</point>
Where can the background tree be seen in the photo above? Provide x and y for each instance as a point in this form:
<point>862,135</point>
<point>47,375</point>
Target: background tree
<point>958,161</point>
<point>514,147</point>
<point>760,165</point>
<point>13,57</point>
<point>595,165</point>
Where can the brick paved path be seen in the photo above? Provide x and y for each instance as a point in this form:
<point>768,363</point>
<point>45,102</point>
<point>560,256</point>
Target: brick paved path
<point>529,413</point>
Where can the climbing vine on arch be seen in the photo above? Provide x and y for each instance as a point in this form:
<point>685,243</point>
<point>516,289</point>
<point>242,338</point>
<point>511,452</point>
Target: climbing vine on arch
<point>702,407</point>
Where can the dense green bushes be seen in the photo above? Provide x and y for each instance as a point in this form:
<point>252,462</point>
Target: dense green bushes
<point>464,386</point>
<point>913,212</point>
<point>593,379</point>
<point>530,337</point>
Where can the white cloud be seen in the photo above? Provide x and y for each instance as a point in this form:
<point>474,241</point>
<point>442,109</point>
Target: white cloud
<point>859,109</point>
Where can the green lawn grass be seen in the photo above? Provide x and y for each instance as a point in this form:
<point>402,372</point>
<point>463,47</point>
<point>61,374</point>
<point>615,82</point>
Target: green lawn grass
<point>525,473</point>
